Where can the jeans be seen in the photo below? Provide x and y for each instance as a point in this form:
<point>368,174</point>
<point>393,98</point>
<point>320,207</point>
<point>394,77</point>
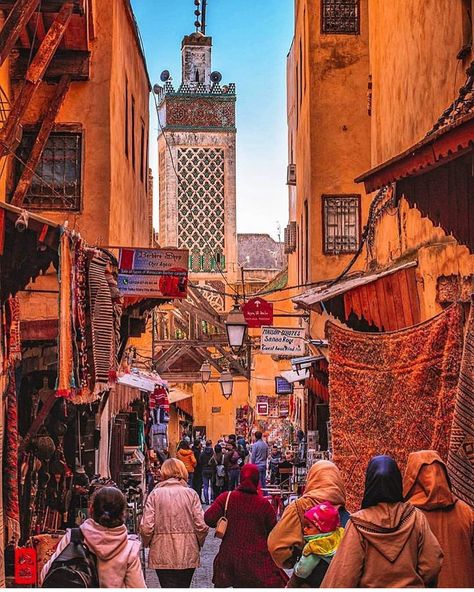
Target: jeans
<point>190,479</point>
<point>207,487</point>
<point>234,477</point>
<point>262,471</point>
<point>175,578</point>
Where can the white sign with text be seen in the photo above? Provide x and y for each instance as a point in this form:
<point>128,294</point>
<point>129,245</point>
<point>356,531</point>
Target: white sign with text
<point>282,341</point>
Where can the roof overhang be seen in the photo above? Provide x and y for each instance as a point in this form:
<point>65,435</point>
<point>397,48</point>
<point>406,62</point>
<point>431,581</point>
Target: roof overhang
<point>434,150</point>
<point>176,394</point>
<point>327,291</point>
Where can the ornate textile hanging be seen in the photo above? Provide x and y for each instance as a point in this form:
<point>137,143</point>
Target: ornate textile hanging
<point>65,382</point>
<point>102,320</point>
<point>461,447</point>
<point>392,393</point>
<point>10,466</point>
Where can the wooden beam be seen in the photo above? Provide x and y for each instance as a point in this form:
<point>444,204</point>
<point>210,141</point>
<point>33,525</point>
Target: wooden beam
<point>179,353</point>
<point>160,359</point>
<point>40,142</point>
<point>233,363</point>
<point>34,76</point>
<point>75,63</point>
<point>208,356</point>
<point>14,24</point>
<point>200,313</point>
<point>216,339</point>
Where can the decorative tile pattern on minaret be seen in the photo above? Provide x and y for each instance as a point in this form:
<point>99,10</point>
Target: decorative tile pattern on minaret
<point>196,148</point>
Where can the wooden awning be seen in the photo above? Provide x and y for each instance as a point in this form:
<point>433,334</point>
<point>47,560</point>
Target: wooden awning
<point>450,137</point>
<point>448,143</point>
<point>386,300</point>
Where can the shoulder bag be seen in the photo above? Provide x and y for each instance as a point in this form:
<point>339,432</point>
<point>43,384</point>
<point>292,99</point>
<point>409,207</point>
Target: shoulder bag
<point>221,526</point>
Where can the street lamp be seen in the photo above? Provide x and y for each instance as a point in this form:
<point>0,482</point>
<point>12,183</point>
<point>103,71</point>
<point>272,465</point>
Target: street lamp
<point>205,371</point>
<point>236,327</point>
<point>227,383</point>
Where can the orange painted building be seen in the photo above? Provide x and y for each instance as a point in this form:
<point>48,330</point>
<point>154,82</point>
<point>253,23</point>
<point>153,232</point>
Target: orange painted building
<point>92,172</point>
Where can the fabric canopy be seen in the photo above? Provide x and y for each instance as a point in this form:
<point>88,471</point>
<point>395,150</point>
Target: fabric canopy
<point>144,381</point>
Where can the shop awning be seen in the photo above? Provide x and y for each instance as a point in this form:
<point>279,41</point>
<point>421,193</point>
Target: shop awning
<point>144,381</point>
<point>451,136</point>
<point>28,246</point>
<point>177,394</point>
<point>325,292</point>
<point>293,376</point>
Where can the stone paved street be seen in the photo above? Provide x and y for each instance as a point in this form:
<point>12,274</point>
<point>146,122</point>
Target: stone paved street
<point>203,575</point>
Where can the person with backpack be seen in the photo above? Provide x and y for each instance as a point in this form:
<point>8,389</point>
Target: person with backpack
<point>208,470</point>
<point>217,462</point>
<point>99,554</point>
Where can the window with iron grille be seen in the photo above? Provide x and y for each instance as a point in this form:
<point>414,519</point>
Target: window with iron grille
<point>340,17</point>
<point>57,184</point>
<point>341,223</point>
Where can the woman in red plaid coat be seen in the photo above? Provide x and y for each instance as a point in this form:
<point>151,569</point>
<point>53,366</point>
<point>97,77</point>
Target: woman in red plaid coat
<point>243,560</point>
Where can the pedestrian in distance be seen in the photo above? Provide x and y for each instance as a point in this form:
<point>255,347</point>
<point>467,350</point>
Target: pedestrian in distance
<point>259,457</point>
<point>286,541</point>
<point>387,544</point>
<point>232,462</point>
<point>208,471</point>
<point>217,462</point>
<point>173,527</point>
<point>243,560</point>
<point>426,486</point>
<point>275,459</point>
<point>105,536</point>
<point>197,478</point>
<point>186,456</point>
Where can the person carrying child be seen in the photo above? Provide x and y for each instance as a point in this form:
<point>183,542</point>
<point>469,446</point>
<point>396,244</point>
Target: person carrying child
<point>322,536</point>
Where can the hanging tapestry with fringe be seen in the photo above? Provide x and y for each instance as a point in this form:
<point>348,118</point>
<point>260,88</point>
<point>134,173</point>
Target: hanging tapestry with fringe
<point>392,393</point>
<point>461,447</point>
<point>10,466</point>
<point>102,323</point>
<point>65,382</point>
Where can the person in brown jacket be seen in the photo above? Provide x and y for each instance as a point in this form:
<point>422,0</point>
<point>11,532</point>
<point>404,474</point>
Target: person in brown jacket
<point>427,487</point>
<point>186,456</point>
<point>323,484</point>
<point>388,544</point>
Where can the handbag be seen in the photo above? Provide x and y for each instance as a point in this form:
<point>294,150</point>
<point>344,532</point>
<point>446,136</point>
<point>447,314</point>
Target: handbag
<point>221,526</point>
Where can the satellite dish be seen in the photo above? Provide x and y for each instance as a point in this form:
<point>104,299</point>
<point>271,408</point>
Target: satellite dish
<point>216,77</point>
<point>157,89</point>
<point>165,75</point>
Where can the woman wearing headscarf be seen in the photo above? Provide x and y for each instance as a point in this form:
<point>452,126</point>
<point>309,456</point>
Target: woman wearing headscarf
<point>173,527</point>
<point>387,544</point>
<point>427,487</point>
<point>285,543</point>
<point>243,560</point>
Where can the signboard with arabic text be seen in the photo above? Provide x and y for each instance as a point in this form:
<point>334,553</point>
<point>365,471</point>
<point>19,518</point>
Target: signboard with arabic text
<point>153,273</point>
<point>282,341</point>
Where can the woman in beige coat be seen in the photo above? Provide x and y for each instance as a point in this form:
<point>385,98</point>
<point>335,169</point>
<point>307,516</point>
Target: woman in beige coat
<point>173,527</point>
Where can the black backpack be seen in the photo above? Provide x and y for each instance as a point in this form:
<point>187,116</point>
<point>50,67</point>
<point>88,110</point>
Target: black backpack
<point>75,567</point>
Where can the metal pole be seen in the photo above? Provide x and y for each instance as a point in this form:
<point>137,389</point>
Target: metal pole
<point>242,272</point>
<point>203,15</point>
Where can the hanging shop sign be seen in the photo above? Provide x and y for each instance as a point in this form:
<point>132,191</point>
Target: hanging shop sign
<point>262,406</point>
<point>282,386</point>
<point>153,273</point>
<point>258,312</point>
<point>283,341</point>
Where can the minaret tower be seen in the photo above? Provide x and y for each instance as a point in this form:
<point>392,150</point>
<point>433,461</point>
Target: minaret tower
<point>196,152</point>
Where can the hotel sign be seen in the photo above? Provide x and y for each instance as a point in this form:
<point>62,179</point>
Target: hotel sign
<point>282,341</point>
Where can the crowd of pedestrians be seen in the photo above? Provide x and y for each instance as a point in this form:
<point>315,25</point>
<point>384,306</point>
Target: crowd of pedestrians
<point>409,532</point>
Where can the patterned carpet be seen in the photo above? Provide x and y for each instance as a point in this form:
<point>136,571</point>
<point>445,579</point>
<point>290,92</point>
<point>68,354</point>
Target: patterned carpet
<point>392,393</point>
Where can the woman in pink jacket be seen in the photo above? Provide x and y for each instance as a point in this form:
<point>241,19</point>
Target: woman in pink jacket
<point>105,535</point>
<point>173,527</point>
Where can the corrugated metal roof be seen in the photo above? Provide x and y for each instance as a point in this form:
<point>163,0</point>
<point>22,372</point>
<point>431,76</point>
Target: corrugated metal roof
<point>325,292</point>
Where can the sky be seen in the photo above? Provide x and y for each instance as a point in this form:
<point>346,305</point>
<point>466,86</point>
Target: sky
<point>251,39</point>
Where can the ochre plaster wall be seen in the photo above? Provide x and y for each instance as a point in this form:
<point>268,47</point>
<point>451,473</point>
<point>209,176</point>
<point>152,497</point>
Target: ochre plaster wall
<point>129,221</point>
<point>415,73</point>
<point>332,126</point>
